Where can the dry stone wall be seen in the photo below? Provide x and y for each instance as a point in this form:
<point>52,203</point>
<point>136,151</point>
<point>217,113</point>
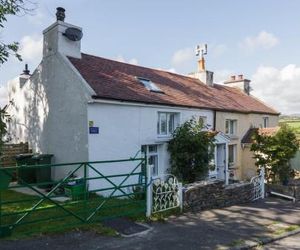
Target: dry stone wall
<point>214,194</point>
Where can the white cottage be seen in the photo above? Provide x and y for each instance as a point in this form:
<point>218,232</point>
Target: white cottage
<point>82,107</point>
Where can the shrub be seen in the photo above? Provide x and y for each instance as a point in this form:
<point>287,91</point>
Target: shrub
<point>191,151</point>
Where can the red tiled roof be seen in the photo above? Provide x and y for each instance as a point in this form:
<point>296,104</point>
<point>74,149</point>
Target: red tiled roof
<point>117,81</point>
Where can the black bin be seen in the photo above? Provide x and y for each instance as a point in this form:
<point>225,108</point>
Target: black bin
<point>43,174</point>
<point>27,175</point>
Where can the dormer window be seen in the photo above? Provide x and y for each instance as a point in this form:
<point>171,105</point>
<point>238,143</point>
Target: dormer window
<point>151,86</point>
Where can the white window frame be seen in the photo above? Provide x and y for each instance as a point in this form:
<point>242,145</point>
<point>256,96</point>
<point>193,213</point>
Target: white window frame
<point>149,153</point>
<point>265,122</point>
<point>232,163</point>
<point>168,115</point>
<point>232,127</point>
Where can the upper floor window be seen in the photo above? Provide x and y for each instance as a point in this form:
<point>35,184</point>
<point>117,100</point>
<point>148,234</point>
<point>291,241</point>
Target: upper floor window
<point>266,122</point>
<point>167,122</point>
<point>231,127</point>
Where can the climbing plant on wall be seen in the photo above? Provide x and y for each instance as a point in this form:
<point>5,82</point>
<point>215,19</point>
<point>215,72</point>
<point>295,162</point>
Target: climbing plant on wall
<point>191,151</point>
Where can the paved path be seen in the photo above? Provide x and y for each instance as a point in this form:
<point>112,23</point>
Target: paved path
<point>291,243</point>
<point>213,229</point>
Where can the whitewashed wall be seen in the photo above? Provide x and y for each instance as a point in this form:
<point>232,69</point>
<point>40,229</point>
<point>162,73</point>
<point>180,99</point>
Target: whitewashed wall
<point>124,128</point>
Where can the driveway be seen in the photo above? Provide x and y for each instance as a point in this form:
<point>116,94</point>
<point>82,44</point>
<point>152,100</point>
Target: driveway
<point>291,243</point>
<point>212,229</point>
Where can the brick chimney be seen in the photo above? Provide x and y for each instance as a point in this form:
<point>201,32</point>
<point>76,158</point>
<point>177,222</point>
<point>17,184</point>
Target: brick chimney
<point>239,82</point>
<point>56,41</point>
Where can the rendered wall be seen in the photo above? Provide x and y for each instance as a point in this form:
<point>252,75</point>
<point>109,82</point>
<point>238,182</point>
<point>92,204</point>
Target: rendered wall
<point>244,122</point>
<point>123,129</point>
<point>50,112</point>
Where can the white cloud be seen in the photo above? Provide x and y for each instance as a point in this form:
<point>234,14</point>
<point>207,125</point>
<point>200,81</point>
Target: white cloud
<point>278,87</point>
<point>133,61</point>
<point>263,40</point>
<point>182,56</point>
<point>31,48</point>
<point>3,95</point>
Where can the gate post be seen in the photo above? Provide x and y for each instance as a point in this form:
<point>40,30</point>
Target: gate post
<point>180,190</point>
<point>149,190</point>
<point>262,182</point>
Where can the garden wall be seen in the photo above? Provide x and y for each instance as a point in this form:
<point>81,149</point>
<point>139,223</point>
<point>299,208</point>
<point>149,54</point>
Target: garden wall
<point>214,194</point>
<point>9,152</point>
<point>292,189</point>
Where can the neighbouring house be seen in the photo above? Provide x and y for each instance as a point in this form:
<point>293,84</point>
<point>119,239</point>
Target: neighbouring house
<point>81,107</point>
<point>247,155</point>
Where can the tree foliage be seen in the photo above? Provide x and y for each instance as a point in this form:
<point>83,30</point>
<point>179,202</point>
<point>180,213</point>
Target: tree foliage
<point>191,151</point>
<point>11,7</point>
<point>275,152</point>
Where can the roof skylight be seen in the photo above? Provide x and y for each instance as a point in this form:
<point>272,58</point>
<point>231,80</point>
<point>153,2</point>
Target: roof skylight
<point>151,86</point>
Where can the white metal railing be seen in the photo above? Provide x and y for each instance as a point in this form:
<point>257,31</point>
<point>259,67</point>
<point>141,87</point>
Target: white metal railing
<point>259,185</point>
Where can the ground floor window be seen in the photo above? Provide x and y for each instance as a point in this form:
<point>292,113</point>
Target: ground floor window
<point>152,156</point>
<point>232,154</point>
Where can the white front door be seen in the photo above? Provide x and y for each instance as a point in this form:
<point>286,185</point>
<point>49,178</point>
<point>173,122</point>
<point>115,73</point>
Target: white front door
<point>221,161</point>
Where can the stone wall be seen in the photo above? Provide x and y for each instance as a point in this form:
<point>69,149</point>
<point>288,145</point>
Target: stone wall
<point>8,157</point>
<point>292,189</point>
<point>214,194</point>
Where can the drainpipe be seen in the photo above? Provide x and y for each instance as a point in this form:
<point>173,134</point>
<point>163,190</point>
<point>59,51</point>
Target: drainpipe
<point>214,122</point>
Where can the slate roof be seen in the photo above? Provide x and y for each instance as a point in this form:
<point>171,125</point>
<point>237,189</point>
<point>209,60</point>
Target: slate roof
<point>115,80</point>
<point>248,137</point>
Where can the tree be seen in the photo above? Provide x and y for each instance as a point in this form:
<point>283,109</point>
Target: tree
<point>11,7</point>
<point>275,152</point>
<point>191,151</point>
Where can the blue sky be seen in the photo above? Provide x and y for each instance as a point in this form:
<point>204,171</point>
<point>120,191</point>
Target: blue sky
<point>259,39</point>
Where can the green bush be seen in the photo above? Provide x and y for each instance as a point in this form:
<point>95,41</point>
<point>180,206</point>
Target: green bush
<point>191,151</point>
<point>275,152</point>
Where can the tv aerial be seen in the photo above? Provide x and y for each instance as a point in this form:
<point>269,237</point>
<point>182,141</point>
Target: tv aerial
<point>201,50</point>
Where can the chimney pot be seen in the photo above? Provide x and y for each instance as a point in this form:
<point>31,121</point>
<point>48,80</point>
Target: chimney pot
<point>232,78</point>
<point>60,14</point>
<point>241,77</point>
<point>26,71</point>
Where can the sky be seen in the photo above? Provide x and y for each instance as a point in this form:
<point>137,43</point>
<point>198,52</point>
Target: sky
<point>259,39</point>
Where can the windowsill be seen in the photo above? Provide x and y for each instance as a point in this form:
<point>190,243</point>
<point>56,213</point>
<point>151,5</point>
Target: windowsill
<point>232,166</point>
<point>163,138</point>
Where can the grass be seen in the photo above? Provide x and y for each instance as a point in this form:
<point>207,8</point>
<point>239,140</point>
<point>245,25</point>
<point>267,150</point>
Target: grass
<point>294,124</point>
<point>49,218</point>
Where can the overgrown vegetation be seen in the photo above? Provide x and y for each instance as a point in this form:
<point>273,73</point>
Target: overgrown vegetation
<point>7,8</point>
<point>275,152</point>
<point>191,151</point>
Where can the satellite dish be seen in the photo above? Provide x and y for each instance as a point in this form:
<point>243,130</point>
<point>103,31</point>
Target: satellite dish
<point>73,34</point>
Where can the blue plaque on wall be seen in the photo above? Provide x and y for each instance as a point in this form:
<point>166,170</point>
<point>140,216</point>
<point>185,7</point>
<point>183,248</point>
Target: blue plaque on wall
<point>94,130</point>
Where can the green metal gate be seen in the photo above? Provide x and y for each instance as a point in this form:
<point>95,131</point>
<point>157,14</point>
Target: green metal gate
<point>71,201</point>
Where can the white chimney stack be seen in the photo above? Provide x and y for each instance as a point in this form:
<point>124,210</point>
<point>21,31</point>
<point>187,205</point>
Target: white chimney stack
<point>62,37</point>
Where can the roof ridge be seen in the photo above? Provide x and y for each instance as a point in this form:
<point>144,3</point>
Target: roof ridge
<point>148,68</point>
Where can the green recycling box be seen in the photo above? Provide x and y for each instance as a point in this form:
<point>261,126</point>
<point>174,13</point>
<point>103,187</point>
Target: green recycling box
<point>75,189</point>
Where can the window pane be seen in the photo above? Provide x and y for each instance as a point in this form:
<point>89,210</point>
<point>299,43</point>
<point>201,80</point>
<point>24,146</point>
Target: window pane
<point>153,160</point>
<point>171,122</point>
<point>227,127</point>
<point>163,123</point>
<point>152,148</point>
<point>231,152</point>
